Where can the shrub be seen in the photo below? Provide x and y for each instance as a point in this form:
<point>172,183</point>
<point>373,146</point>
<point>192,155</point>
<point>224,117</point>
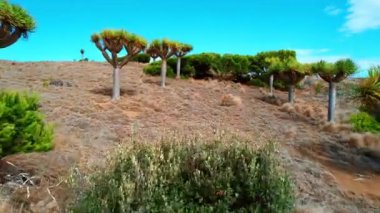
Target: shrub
<point>155,70</point>
<point>318,87</point>
<point>233,66</point>
<point>189,176</point>
<point>142,58</point>
<point>22,128</point>
<point>257,82</point>
<point>368,92</point>
<point>363,122</point>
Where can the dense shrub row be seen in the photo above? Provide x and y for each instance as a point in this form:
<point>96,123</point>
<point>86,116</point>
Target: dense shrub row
<point>22,128</point>
<point>190,176</point>
<point>238,68</point>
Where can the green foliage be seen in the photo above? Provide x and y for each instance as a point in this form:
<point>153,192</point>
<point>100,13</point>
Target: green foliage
<point>232,66</point>
<point>318,87</point>
<point>257,82</point>
<point>229,66</point>
<point>16,16</point>
<point>334,72</point>
<point>183,49</point>
<point>205,64</point>
<point>363,122</point>
<point>259,63</point>
<point>368,92</point>
<point>115,40</point>
<point>190,176</point>
<point>155,70</point>
<point>141,58</point>
<point>164,48</point>
<point>22,128</point>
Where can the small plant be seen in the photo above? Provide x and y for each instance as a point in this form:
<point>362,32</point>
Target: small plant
<point>368,92</point>
<point>190,176</point>
<point>363,122</point>
<point>155,70</point>
<point>257,82</point>
<point>318,87</point>
<point>22,128</point>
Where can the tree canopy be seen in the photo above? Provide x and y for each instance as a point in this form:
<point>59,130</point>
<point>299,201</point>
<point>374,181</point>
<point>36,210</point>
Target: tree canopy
<point>183,49</point>
<point>14,17</point>
<point>113,41</point>
<point>335,72</point>
<point>289,70</point>
<point>163,48</point>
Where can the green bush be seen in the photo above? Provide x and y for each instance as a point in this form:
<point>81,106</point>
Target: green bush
<point>189,176</point>
<point>142,58</point>
<point>363,122</point>
<point>155,70</point>
<point>233,67</point>
<point>22,128</point>
<point>257,82</point>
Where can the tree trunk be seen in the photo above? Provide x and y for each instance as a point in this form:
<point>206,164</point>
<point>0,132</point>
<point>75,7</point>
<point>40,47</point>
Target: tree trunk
<point>116,84</point>
<point>332,101</point>
<point>163,72</point>
<point>178,68</point>
<point>291,94</point>
<point>271,85</point>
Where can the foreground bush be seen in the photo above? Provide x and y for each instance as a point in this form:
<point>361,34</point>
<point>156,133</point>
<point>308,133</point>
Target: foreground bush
<point>189,176</point>
<point>22,128</point>
<point>363,122</point>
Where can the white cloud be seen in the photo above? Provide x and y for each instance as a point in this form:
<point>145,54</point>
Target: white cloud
<point>332,10</point>
<point>315,55</point>
<point>362,15</point>
<point>365,64</point>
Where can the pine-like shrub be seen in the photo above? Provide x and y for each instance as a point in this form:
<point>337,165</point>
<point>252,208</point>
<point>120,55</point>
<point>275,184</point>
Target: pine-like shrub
<point>22,127</point>
<point>189,176</point>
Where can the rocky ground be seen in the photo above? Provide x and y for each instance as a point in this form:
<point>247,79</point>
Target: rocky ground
<point>330,174</point>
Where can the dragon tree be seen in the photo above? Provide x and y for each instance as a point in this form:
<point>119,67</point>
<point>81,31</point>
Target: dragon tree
<point>14,23</point>
<point>334,73</point>
<point>182,50</point>
<point>163,49</point>
<point>111,43</point>
<point>289,71</point>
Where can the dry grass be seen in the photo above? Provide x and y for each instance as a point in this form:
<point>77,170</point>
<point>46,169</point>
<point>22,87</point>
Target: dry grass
<point>367,140</point>
<point>230,100</point>
<point>88,124</point>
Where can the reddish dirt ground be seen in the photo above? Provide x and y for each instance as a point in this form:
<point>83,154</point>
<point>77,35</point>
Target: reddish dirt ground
<point>328,173</point>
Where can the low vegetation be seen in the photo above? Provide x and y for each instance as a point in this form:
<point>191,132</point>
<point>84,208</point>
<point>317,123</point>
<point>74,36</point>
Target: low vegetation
<point>363,122</point>
<point>190,176</point>
<point>368,92</point>
<point>22,127</point>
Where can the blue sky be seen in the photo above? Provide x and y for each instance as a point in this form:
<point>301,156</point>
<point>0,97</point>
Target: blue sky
<point>317,29</point>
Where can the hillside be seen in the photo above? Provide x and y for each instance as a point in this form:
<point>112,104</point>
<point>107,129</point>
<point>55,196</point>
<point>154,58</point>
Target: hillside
<point>330,175</point>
